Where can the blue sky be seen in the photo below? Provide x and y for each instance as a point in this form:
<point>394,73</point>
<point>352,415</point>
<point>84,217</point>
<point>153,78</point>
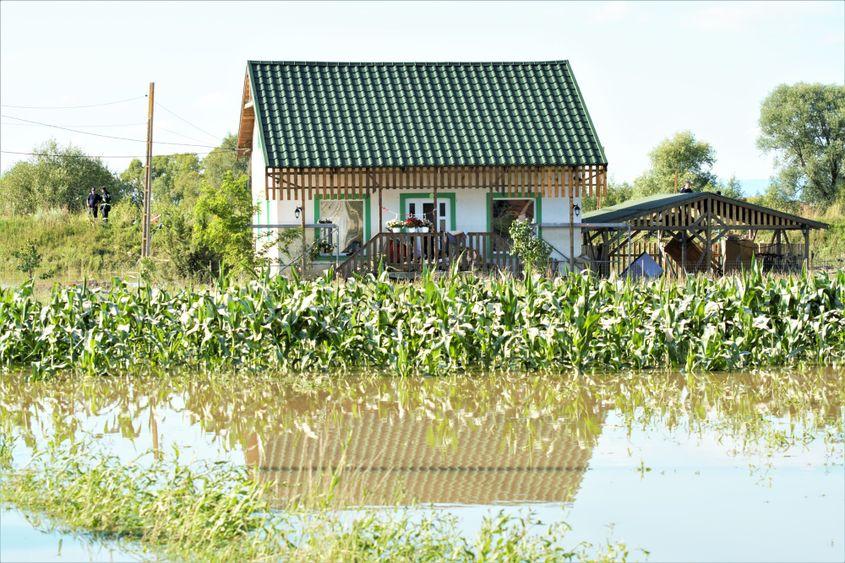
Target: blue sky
<point>647,70</point>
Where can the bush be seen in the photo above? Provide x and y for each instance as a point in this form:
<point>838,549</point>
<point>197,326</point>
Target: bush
<point>531,249</point>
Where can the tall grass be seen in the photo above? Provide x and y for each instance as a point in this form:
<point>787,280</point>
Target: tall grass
<point>217,513</point>
<point>73,245</point>
<point>434,326</point>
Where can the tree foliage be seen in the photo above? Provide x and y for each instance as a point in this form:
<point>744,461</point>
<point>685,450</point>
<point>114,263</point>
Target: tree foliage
<point>222,218</point>
<point>804,125</point>
<point>682,157</point>
<point>175,178</point>
<point>57,178</point>
<point>531,249</point>
<point>223,159</point>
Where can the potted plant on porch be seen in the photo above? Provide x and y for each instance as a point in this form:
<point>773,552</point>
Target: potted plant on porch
<point>395,225</point>
<point>414,224</point>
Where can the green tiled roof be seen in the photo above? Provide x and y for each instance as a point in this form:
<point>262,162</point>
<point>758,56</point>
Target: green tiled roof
<point>422,114</point>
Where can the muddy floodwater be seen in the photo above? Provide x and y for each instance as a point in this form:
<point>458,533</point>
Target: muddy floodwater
<point>724,467</point>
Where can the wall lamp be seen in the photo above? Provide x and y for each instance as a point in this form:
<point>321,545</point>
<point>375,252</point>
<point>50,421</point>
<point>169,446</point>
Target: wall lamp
<point>298,212</point>
<point>577,210</point>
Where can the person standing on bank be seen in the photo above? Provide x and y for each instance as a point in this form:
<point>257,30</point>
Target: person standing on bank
<point>106,204</point>
<point>94,200</point>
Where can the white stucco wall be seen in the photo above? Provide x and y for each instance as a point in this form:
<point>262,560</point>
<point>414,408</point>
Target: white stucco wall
<point>470,211</point>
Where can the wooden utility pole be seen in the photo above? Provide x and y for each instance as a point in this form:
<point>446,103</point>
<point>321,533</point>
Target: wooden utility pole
<point>145,232</point>
<point>577,180</point>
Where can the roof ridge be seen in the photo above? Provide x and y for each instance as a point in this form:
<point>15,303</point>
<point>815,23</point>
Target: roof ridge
<point>408,63</point>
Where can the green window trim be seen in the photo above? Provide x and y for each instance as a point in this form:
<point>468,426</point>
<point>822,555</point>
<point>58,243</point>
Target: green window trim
<point>450,196</point>
<point>538,209</point>
<point>367,217</point>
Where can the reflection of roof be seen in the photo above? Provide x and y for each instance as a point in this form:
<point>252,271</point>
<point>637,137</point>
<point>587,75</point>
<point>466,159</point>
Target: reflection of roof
<point>429,461</point>
<point>643,207</point>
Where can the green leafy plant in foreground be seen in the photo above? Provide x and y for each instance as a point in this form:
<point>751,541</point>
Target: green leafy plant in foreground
<point>29,259</point>
<point>218,513</point>
<point>437,325</point>
<point>533,250</point>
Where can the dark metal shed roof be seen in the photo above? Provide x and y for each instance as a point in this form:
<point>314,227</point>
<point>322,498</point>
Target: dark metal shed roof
<point>644,207</point>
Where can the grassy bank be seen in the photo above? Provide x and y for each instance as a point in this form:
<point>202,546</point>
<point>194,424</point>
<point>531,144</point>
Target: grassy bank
<point>434,326</point>
<point>218,513</point>
<point>72,245</point>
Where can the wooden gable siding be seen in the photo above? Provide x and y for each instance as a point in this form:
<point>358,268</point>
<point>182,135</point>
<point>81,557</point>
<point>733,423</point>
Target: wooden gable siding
<point>724,212</point>
<point>294,183</point>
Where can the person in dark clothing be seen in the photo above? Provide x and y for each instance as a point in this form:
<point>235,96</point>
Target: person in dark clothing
<point>94,200</point>
<point>106,204</point>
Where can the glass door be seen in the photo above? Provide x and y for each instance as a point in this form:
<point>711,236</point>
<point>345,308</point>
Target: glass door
<point>424,207</point>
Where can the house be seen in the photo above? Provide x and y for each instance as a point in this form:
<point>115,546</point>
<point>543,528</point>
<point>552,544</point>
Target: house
<point>339,150</point>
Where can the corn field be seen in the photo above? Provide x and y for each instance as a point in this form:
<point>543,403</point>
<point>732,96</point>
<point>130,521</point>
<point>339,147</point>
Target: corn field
<point>433,326</point>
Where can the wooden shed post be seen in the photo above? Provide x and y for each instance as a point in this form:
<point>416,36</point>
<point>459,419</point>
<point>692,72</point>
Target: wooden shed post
<point>807,249</point>
<point>380,212</point>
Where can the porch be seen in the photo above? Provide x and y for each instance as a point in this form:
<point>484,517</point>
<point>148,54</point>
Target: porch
<point>406,255</point>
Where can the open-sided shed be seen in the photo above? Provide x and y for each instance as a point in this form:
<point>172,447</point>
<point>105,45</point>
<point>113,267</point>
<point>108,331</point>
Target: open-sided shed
<point>696,232</point>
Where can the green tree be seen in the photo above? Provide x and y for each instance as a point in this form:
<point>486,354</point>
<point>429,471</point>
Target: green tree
<point>29,259</point>
<point>616,193</point>
<point>222,218</point>
<point>804,125</point>
<point>778,197</point>
<point>731,188</point>
<point>223,159</point>
<point>176,179</point>
<point>683,156</point>
<point>57,178</point>
<point>531,249</point>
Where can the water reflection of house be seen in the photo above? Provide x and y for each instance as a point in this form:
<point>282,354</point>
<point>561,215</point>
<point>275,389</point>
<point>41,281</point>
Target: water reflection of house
<point>388,459</point>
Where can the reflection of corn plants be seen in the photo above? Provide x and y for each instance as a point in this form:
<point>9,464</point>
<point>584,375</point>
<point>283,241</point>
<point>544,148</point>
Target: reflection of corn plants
<point>180,512</point>
<point>436,325</point>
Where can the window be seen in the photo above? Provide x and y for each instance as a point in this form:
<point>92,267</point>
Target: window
<point>348,215</point>
<point>506,211</point>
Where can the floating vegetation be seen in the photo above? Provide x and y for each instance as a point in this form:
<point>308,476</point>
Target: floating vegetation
<point>280,505</point>
<point>434,326</point>
<point>217,512</point>
<point>285,428</point>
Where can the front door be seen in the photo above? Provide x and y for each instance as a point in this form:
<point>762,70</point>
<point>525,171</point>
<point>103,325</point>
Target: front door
<point>424,207</point>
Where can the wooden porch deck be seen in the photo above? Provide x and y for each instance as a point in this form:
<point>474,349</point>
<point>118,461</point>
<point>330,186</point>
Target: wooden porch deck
<point>408,254</point>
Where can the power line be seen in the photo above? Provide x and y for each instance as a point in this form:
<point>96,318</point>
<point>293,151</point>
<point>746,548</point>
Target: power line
<point>99,155</point>
<point>177,133</point>
<point>86,126</point>
<point>108,136</point>
<point>198,128</point>
<point>76,107</point>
